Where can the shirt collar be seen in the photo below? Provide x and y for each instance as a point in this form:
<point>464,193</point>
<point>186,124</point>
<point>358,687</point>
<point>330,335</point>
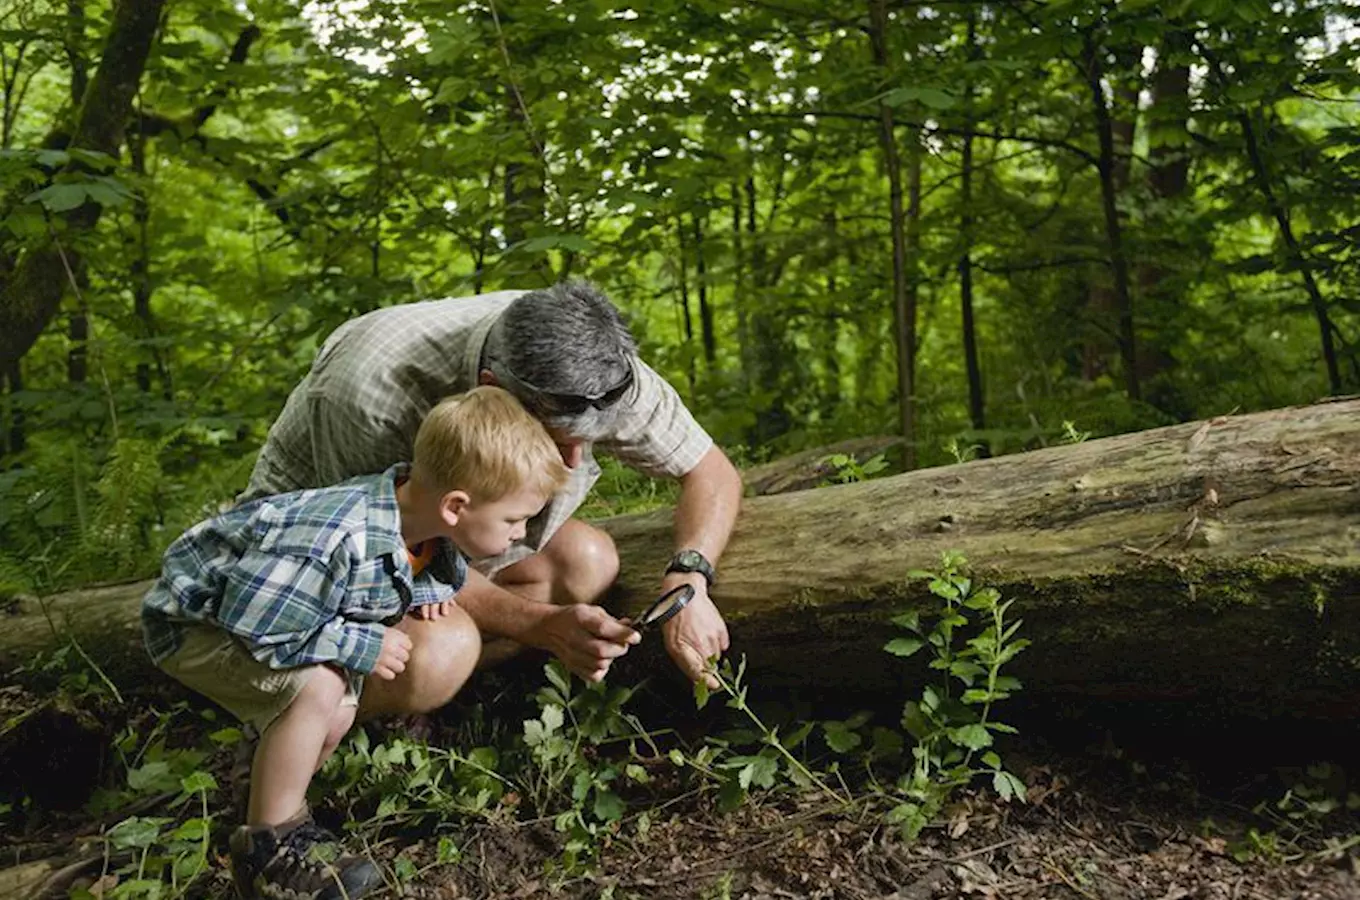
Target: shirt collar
<point>477,345</point>
<point>383,528</point>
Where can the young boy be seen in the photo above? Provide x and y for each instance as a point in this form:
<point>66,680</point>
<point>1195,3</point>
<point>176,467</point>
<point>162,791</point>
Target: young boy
<point>279,608</point>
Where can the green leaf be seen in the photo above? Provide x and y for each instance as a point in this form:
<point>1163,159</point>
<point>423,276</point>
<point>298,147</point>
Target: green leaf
<point>839,737</point>
<point>559,677</point>
<point>198,781</point>
<point>1008,786</point>
<point>974,737</point>
<point>701,693</point>
<point>192,830</point>
<point>608,806</point>
<point>910,620</point>
<point>935,98</point>
<point>731,795</point>
<point>915,721</point>
<point>138,831</point>
<point>59,197</point>
<point>676,757</point>
<point>552,718</point>
<point>572,242</point>
<point>903,646</point>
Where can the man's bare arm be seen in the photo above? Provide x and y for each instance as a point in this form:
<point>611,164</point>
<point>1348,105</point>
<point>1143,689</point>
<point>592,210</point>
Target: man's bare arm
<point>710,498</point>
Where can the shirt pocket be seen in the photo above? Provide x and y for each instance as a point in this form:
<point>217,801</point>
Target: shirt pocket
<point>373,594</point>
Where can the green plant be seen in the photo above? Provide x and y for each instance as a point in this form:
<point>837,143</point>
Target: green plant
<point>962,452</point>
<point>952,727</point>
<point>566,762</point>
<point>402,781</point>
<point>1071,435</point>
<point>1300,820</point>
<point>845,468</point>
<point>157,857</point>
<point>763,766</point>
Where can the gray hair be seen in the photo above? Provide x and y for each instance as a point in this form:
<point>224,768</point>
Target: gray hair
<point>567,339</point>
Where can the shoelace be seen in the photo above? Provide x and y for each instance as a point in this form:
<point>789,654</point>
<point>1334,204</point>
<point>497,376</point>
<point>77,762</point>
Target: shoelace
<point>302,838</point>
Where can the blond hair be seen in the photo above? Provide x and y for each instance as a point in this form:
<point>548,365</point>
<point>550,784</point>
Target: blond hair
<point>485,443</point>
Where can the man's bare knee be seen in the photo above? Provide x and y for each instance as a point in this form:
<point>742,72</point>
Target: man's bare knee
<point>582,563</point>
<point>443,654</point>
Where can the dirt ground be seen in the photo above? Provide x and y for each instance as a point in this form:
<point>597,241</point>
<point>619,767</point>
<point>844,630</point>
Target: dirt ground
<point>1108,817</point>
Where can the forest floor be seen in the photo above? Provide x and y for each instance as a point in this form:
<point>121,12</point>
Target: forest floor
<point>1111,815</point>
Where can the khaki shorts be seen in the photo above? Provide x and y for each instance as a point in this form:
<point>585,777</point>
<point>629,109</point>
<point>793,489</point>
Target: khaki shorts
<point>215,664</point>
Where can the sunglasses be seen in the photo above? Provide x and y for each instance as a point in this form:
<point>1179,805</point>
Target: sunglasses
<point>573,404</point>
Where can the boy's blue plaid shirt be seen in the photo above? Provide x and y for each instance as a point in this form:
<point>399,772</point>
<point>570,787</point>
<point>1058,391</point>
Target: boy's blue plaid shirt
<point>304,577</point>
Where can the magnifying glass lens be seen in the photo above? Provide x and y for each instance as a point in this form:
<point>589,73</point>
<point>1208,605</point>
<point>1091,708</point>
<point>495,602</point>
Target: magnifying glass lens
<point>666,606</point>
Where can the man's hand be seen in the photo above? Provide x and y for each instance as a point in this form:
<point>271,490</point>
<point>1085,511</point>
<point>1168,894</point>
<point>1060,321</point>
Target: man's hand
<point>396,650</point>
<point>698,633</point>
<point>586,638</point>
<point>431,611</point>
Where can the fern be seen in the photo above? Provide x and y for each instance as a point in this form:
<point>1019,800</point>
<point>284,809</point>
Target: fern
<point>129,500</point>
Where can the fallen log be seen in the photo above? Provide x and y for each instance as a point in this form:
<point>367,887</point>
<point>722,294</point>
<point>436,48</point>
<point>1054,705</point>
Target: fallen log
<point>815,467</point>
<point>1215,560</point>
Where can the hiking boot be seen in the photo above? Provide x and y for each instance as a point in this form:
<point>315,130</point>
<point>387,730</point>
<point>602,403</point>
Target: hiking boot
<point>298,860</point>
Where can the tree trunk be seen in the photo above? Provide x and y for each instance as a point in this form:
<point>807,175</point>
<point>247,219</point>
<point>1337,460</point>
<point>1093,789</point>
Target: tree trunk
<point>1165,256</point>
<point>976,406</point>
<point>705,308</point>
<point>1215,559</point>
<point>1113,170</point>
<point>1280,212</point>
<point>15,435</point>
<point>37,280</point>
<point>686,320</point>
<point>740,294</point>
<point>904,311</point>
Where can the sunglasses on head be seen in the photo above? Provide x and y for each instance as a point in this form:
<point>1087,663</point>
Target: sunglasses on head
<point>574,404</point>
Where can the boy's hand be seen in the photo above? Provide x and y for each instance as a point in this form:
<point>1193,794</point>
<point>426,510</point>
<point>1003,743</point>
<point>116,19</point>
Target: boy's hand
<point>431,611</point>
<point>396,650</point>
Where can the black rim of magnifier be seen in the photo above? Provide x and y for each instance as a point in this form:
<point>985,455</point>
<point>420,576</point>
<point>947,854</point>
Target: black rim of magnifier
<point>646,620</point>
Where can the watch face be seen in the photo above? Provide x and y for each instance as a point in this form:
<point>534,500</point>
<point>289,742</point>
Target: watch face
<point>690,559</point>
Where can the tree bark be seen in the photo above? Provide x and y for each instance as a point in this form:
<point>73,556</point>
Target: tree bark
<point>904,309</point>
<point>1216,559</point>
<point>705,308</point>
<point>976,405</point>
<point>1113,170</point>
<point>1165,256</point>
<point>37,279</point>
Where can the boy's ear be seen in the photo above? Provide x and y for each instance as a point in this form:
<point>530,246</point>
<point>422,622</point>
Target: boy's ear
<point>451,506</point>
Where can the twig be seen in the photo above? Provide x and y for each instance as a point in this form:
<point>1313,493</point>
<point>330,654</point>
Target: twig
<point>981,850</point>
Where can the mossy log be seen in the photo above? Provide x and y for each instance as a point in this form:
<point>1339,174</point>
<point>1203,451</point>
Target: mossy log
<point>1215,560</point>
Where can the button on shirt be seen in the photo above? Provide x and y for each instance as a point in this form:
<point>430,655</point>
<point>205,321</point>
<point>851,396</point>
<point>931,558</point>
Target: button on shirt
<point>376,376</point>
<point>304,577</point>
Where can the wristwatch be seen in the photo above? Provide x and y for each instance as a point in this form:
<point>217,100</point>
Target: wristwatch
<point>692,561</point>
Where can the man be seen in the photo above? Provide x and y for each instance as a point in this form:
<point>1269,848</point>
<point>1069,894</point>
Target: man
<point>566,355</point>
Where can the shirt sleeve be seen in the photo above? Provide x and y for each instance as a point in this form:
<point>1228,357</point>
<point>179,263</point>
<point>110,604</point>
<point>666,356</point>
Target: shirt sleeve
<point>286,610</point>
<point>655,432</point>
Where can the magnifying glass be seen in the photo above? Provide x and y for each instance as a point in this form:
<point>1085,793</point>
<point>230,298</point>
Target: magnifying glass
<point>665,607</point>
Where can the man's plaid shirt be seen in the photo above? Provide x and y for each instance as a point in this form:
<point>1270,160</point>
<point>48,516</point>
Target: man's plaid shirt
<point>305,577</point>
<point>376,376</point>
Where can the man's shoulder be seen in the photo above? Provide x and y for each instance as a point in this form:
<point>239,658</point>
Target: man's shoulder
<point>443,314</point>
